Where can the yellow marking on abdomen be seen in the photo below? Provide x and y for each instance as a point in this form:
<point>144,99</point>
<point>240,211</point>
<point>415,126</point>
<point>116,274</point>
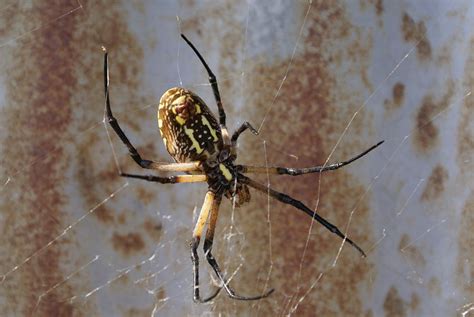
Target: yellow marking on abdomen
<point>206,123</point>
<point>179,100</point>
<point>189,133</point>
<point>198,109</point>
<point>225,171</point>
<point>180,120</point>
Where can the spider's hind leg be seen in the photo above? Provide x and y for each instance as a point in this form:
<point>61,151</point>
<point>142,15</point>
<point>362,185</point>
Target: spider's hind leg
<point>212,261</point>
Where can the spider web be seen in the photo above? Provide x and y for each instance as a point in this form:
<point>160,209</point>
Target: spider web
<point>322,82</point>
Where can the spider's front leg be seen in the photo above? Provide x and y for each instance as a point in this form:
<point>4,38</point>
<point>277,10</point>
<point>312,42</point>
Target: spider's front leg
<point>306,170</point>
<point>246,125</point>
<point>169,167</point>
<point>176,179</point>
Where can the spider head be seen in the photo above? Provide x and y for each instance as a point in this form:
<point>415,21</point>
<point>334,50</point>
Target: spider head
<point>188,128</point>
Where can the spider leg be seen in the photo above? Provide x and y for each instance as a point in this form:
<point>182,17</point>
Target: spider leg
<point>299,205</point>
<point>212,81</point>
<point>176,167</point>
<point>212,261</point>
<point>197,232</point>
<point>300,171</point>
<point>246,125</point>
<point>169,180</point>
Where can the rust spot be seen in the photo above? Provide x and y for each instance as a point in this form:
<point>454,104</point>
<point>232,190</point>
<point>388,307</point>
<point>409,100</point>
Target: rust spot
<point>127,244</point>
<point>139,312</point>
<point>398,97</point>
<point>36,120</point>
<point>416,33</point>
<point>415,302</point>
<point>398,93</point>
<point>435,184</point>
<point>465,130</point>
<point>394,306</point>
<point>411,252</point>
<point>465,265</point>
<point>145,195</point>
<point>378,5</point>
<point>154,229</point>
<point>122,218</point>
<point>434,286</point>
<point>160,298</point>
<point>426,135</point>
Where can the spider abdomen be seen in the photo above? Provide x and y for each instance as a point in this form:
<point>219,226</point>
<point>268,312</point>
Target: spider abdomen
<point>188,127</point>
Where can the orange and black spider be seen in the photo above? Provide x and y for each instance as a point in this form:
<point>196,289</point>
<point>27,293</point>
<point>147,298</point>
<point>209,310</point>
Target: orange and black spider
<point>202,147</point>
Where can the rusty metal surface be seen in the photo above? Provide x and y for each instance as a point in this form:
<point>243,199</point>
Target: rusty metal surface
<point>322,81</point>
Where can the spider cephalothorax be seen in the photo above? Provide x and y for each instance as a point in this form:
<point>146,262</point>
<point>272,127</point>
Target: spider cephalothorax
<point>202,148</point>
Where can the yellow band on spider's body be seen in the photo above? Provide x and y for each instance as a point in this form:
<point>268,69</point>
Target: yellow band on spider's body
<point>225,171</point>
<point>189,133</point>
<point>206,123</point>
<point>180,120</point>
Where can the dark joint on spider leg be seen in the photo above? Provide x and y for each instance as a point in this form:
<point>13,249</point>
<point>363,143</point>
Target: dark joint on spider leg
<point>194,244</point>
<point>288,171</point>
<point>207,246</point>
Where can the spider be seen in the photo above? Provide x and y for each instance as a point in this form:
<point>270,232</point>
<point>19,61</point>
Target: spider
<point>202,148</point>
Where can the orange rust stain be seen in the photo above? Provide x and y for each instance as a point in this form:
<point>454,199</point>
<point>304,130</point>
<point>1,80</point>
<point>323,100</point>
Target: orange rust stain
<point>465,266</point>
<point>160,298</point>
<point>122,218</point>
<point>398,93</point>
<point>127,244</point>
<point>139,312</point>
<point>46,71</point>
<point>436,184</point>
<point>379,7</point>
<point>394,306</point>
<point>416,33</point>
<point>426,135</point>
<point>36,119</point>
<point>465,148</point>
<point>411,252</point>
<point>465,131</point>
<point>415,302</point>
<point>398,97</point>
<point>145,195</point>
<point>434,286</point>
<point>153,228</point>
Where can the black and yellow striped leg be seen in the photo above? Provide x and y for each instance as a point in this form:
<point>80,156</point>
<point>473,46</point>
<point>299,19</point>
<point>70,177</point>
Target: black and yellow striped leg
<point>176,167</point>
<point>299,171</point>
<point>299,205</point>
<point>212,261</point>
<point>200,224</point>
<point>246,125</point>
<point>168,180</point>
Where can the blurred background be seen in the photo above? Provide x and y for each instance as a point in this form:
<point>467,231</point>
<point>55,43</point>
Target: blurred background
<point>322,81</point>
